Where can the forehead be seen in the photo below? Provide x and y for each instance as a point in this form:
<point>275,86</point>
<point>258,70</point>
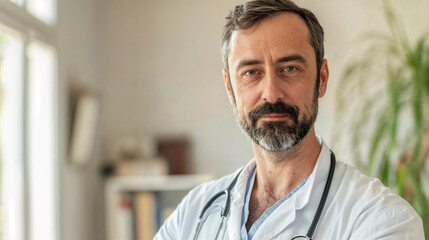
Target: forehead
<point>277,36</point>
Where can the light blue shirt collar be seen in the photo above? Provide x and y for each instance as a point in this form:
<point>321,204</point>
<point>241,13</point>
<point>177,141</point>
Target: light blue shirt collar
<point>245,213</point>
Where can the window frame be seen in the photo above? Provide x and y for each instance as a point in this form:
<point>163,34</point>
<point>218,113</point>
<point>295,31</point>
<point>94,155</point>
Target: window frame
<point>33,30</point>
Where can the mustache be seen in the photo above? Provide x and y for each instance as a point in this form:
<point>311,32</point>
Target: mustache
<point>277,108</point>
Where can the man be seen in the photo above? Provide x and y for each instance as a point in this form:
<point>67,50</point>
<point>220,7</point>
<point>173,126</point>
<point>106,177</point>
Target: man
<point>274,73</point>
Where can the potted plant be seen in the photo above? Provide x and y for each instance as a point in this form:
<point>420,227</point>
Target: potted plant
<point>383,99</point>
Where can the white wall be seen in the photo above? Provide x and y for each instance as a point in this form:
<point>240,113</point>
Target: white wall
<point>162,74</point>
<point>345,24</point>
<point>161,70</point>
<point>80,187</point>
<point>157,67</point>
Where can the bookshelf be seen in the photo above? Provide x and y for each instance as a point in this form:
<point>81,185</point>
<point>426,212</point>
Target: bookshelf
<point>133,201</point>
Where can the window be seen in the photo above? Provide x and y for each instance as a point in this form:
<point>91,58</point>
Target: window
<point>28,121</point>
<point>11,138</point>
<point>44,10</point>
<point>41,141</point>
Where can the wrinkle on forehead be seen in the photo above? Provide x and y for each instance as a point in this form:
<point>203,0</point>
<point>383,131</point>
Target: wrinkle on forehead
<point>267,39</point>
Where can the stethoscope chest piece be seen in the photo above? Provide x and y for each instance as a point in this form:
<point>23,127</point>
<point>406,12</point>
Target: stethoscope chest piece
<point>301,238</point>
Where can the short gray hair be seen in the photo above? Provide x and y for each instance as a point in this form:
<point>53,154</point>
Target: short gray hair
<point>246,15</point>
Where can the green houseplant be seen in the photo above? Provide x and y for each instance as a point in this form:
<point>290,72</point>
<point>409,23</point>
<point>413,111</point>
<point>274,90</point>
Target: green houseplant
<point>383,99</point>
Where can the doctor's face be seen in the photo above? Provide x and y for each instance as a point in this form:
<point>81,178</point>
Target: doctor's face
<point>273,81</point>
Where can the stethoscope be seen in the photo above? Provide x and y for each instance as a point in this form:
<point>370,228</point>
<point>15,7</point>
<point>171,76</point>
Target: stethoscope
<point>227,205</point>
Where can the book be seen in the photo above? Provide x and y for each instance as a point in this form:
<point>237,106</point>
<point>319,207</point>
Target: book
<point>176,151</point>
<point>141,167</point>
<point>145,215</point>
<point>125,218</point>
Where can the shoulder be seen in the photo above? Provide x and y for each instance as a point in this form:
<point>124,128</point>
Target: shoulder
<point>375,208</point>
<point>210,188</point>
<point>368,189</point>
<point>183,220</point>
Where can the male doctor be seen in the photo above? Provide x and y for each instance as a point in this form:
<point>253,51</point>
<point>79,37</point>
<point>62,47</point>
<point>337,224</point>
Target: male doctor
<point>274,73</point>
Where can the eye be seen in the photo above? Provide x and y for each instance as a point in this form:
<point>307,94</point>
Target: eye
<point>250,73</point>
<point>290,69</point>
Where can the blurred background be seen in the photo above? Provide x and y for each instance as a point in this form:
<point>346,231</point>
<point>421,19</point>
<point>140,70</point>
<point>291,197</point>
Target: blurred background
<point>112,110</point>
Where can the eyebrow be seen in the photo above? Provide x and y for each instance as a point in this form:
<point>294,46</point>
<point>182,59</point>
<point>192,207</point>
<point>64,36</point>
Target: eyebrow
<point>247,63</point>
<point>295,57</point>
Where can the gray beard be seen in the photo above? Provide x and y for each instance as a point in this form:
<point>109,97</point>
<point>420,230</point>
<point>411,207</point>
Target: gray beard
<point>278,136</point>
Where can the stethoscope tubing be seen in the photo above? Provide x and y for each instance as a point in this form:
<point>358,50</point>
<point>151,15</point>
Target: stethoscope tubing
<point>322,202</point>
<point>227,205</point>
<point>226,208</point>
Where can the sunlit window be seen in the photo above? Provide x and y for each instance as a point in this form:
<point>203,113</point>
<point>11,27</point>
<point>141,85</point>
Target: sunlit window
<point>44,10</point>
<point>28,121</point>
<point>11,147</point>
<point>41,141</point>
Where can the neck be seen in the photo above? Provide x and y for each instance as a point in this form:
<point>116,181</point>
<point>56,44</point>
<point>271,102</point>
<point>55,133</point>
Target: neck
<point>278,173</point>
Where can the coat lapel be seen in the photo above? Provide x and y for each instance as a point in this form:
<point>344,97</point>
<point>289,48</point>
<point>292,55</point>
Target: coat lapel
<point>284,217</point>
<point>237,203</point>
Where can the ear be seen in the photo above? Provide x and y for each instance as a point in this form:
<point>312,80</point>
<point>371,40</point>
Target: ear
<point>324,75</point>
<point>228,87</point>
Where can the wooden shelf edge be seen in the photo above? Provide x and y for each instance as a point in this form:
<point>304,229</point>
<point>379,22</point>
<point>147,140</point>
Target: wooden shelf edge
<point>157,183</point>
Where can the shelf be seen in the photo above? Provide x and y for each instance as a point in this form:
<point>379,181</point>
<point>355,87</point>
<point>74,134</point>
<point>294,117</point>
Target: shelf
<point>116,186</point>
<point>156,183</point>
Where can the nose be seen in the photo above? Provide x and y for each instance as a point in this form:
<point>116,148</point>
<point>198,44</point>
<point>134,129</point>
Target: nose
<point>273,91</point>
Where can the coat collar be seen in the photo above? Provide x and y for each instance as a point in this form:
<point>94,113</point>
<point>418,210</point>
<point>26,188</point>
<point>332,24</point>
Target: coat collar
<point>285,214</point>
<point>237,203</point>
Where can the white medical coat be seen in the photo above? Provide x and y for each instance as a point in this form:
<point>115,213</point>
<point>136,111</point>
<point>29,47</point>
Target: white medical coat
<point>357,208</point>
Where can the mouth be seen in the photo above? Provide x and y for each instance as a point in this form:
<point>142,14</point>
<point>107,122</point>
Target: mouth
<point>274,117</point>
<point>277,112</point>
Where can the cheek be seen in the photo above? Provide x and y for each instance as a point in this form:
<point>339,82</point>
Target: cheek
<point>240,110</point>
<point>308,106</point>
<point>247,98</point>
